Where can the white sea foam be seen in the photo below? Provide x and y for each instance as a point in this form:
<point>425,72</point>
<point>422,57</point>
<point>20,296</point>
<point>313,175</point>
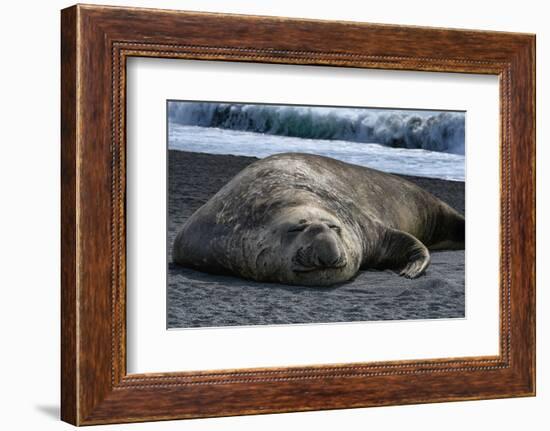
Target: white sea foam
<point>416,162</point>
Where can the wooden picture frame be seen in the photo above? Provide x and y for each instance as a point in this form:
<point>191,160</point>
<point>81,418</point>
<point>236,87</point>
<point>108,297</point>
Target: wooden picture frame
<point>95,43</point>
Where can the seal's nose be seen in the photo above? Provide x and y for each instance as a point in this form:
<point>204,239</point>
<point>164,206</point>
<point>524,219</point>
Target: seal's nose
<point>327,251</point>
<point>317,228</point>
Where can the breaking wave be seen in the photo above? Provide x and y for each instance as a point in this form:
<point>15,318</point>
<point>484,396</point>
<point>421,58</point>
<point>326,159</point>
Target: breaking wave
<point>427,130</point>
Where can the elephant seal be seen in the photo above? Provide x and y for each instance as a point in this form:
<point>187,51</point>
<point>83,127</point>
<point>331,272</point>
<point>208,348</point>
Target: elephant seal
<point>303,219</point>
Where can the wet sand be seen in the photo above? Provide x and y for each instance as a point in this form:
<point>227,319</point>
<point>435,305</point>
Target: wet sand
<point>197,299</point>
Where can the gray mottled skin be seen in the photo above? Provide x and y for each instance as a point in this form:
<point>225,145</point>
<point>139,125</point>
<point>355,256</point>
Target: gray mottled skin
<point>309,220</point>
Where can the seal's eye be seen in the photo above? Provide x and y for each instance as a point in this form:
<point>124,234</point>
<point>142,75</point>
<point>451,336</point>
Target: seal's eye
<point>298,228</point>
<point>335,228</point>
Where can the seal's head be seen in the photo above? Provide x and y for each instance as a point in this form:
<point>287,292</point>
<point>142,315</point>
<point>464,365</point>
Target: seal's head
<point>309,246</point>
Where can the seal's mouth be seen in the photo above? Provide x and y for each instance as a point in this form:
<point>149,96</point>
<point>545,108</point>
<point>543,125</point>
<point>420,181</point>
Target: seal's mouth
<point>306,260</point>
<point>340,263</point>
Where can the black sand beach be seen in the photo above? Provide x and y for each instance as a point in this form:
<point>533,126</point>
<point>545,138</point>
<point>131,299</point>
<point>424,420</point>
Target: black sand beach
<point>197,299</point>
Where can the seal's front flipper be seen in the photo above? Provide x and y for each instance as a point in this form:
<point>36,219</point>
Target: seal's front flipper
<point>416,267</point>
<point>402,253</point>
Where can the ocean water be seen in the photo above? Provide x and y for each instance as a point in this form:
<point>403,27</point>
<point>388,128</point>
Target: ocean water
<point>421,163</point>
<point>420,143</point>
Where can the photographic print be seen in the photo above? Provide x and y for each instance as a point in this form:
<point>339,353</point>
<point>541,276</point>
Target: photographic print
<point>296,214</point>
